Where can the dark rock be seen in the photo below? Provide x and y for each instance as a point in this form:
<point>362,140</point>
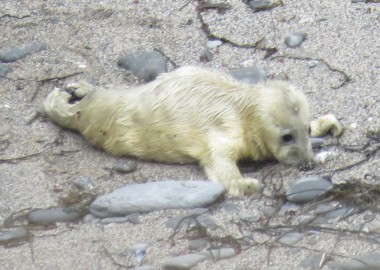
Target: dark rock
<point>20,51</point>
<point>13,236</point>
<point>307,189</point>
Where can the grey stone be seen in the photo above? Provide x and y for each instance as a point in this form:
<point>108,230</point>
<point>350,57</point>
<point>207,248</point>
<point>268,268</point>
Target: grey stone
<point>221,253</point>
<point>144,65</point>
<point>249,217</point>
<point>362,262</point>
<point>268,211</point>
<point>156,196</point>
<point>17,52</point>
<point>13,236</point>
<point>128,166</point>
<point>307,189</point>
<point>317,142</point>
<point>260,5</point>
<point>52,215</point>
<point>134,218</point>
<point>4,70</point>
<point>84,182</point>
<point>206,56</point>
<point>198,211</point>
<point>197,243</point>
<point>250,75</point>
<point>290,238</point>
<point>312,63</point>
<point>295,39</point>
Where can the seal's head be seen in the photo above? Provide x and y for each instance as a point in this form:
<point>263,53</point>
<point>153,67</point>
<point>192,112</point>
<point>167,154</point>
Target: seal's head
<point>285,112</point>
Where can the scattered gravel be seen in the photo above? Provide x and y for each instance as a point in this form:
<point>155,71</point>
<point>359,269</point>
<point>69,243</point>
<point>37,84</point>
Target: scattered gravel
<point>295,39</point>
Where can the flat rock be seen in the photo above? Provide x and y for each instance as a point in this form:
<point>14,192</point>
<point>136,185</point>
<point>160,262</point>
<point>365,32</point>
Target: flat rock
<point>290,238</point>
<point>17,52</point>
<point>144,65</point>
<point>307,189</point>
<point>250,75</point>
<point>153,196</point>
<point>52,215</point>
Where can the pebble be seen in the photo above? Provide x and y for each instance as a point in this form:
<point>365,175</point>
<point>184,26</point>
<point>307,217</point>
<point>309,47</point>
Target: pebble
<point>269,211</point>
<point>144,65</point>
<point>110,220</point>
<point>134,218</point>
<point>84,182</point>
<point>312,63</point>
<point>153,196</point>
<point>249,217</point>
<point>212,44</point>
<point>185,262</point>
<point>317,142</point>
<point>4,70</point>
<point>52,215</point>
<point>250,75</point>
<point>363,262</point>
<point>125,166</point>
<point>197,244</point>
<point>295,39</point>
<point>17,52</point>
<point>307,189</point>
<point>260,5</point>
<point>341,212</point>
<point>13,236</point>
<point>290,238</point>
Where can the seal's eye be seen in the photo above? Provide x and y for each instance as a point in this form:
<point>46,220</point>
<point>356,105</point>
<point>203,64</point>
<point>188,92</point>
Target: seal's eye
<point>287,138</point>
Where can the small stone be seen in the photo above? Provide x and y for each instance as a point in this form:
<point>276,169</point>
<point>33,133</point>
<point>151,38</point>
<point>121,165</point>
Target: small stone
<point>295,39</point>
<point>228,206</point>
<point>307,189</point>
<point>197,244</point>
<point>53,215</point>
<point>91,219</point>
<point>317,142</point>
<point>144,65</point>
<point>134,218</point>
<point>17,52</point>
<point>125,166</point>
<point>198,211</point>
<point>14,236</point>
<point>221,253</point>
<point>153,196</point>
<point>212,44</point>
<point>268,211</point>
<point>249,217</point>
<point>260,5</point>
<point>4,70</point>
<point>84,182</point>
<point>290,238</point>
<point>249,75</point>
